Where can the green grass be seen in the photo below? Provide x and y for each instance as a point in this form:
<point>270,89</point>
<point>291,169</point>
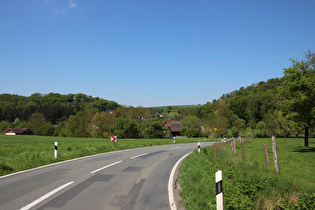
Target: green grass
<point>251,185</point>
<point>24,152</point>
<point>295,161</point>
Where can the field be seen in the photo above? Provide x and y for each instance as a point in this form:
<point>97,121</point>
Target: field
<point>251,184</point>
<point>23,152</point>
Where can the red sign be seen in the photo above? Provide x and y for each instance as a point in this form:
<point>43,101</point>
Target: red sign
<point>113,139</point>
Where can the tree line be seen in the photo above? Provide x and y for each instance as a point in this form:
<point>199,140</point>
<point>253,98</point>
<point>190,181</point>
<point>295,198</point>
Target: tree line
<point>54,106</point>
<point>279,106</point>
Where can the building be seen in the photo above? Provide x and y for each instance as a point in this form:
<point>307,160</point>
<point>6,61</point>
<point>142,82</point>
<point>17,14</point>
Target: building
<point>174,127</point>
<point>17,131</point>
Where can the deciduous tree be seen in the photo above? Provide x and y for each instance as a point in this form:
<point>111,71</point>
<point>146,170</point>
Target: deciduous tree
<point>298,92</point>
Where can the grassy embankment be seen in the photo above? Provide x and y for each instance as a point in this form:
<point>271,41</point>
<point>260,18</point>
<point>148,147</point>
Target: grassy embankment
<point>251,185</point>
<point>23,152</point>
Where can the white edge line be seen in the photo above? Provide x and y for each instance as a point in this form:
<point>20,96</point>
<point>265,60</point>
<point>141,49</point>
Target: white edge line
<point>59,163</point>
<point>106,167</point>
<point>37,201</point>
<point>139,155</point>
<point>72,160</point>
<point>171,184</point>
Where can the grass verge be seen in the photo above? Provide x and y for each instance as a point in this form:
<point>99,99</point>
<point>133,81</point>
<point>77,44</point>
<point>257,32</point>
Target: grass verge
<point>19,152</point>
<point>251,184</point>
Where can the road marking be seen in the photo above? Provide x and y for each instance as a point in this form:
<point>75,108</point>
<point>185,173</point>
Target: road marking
<point>37,201</point>
<point>175,147</point>
<point>139,155</point>
<point>171,184</point>
<point>106,167</point>
<point>63,162</point>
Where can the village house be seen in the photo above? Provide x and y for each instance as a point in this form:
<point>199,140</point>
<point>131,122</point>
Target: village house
<point>174,127</point>
<point>17,131</point>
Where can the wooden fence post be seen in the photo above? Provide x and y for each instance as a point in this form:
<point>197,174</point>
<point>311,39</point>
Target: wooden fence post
<point>234,145</point>
<point>243,151</point>
<point>266,155</point>
<point>275,155</point>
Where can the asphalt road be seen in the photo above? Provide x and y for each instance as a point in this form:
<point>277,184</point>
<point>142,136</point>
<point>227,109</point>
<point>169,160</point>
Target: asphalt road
<point>128,179</point>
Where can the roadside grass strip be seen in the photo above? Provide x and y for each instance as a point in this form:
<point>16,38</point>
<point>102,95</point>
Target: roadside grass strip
<point>250,184</point>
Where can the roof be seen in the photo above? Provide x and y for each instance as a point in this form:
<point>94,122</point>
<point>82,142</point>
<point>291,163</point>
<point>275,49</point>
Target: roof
<point>25,131</point>
<point>174,126</point>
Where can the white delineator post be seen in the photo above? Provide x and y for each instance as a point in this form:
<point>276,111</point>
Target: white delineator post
<point>218,185</point>
<point>198,147</point>
<point>56,147</point>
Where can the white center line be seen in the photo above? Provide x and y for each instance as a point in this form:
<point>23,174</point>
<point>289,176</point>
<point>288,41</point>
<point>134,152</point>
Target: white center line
<point>138,155</point>
<point>106,167</point>
<point>37,201</point>
<point>175,147</point>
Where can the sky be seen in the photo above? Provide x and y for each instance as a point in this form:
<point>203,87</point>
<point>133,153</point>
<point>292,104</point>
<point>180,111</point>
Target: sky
<point>149,52</point>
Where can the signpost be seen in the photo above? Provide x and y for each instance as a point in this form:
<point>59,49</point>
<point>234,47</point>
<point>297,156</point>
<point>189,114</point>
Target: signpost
<point>113,139</point>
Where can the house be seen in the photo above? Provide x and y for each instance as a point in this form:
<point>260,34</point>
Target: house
<point>174,127</point>
<point>158,115</point>
<point>17,131</point>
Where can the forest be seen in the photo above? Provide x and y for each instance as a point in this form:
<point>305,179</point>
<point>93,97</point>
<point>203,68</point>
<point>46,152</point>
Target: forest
<point>279,106</point>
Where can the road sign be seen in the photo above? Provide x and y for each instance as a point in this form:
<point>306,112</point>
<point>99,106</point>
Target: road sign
<point>113,139</point>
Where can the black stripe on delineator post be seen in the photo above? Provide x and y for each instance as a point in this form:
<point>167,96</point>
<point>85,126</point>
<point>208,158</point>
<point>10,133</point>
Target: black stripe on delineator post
<point>218,187</point>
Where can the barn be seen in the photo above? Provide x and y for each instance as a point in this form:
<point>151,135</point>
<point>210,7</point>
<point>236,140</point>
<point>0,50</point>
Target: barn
<point>17,131</point>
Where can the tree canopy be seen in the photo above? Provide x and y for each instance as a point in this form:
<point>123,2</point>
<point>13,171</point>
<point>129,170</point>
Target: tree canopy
<point>298,92</point>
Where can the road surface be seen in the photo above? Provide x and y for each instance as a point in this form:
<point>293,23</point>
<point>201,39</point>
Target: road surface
<point>127,179</point>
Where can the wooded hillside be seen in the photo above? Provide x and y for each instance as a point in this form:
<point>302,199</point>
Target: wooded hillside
<point>279,106</point>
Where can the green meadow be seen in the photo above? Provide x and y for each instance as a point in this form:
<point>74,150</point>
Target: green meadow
<point>24,152</point>
<point>251,184</point>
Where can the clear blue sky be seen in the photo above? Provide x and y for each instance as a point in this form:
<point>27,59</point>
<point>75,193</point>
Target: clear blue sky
<point>149,52</point>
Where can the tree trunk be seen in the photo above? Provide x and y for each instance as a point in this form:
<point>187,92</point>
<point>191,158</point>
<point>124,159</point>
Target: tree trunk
<point>306,136</point>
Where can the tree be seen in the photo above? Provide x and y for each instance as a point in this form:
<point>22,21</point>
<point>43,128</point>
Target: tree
<point>298,92</point>
<point>36,121</point>
<point>125,128</point>
<point>100,124</point>
<point>78,125</point>
<point>284,124</point>
<point>191,126</point>
<point>138,114</point>
<point>261,129</point>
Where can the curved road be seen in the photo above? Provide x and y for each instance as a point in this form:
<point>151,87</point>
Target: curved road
<point>127,179</point>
